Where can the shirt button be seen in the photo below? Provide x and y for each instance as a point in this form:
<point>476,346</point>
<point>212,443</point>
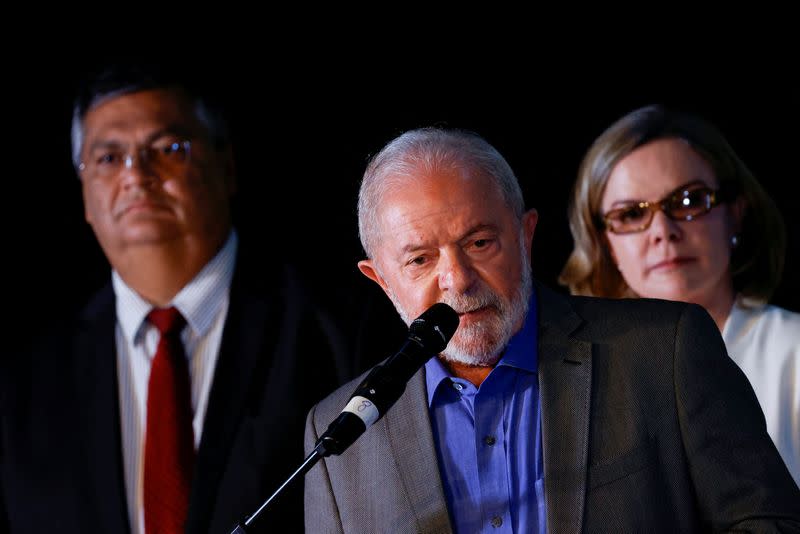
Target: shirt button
<point>489,440</point>
<point>458,386</point>
<point>497,521</point>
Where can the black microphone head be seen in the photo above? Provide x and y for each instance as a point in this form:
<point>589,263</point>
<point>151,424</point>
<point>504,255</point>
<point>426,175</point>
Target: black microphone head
<point>435,327</point>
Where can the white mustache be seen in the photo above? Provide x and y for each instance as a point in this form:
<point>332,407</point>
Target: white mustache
<point>484,298</point>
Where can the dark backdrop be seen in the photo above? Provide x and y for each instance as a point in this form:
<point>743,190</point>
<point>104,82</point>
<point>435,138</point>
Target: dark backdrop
<point>305,129</point>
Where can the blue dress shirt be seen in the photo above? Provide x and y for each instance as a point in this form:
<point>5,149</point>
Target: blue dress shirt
<point>489,440</point>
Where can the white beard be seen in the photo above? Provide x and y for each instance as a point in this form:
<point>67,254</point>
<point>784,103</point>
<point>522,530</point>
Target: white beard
<point>481,344</point>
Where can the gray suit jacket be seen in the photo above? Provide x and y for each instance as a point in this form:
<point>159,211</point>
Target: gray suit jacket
<point>647,426</point>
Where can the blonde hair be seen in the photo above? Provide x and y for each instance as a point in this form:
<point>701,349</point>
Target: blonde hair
<point>757,260</point>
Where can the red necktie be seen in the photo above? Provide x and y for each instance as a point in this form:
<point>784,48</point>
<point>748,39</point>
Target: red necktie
<point>169,438</point>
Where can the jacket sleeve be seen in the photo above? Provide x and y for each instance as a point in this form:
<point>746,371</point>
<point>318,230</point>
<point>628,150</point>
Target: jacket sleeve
<point>5,384</point>
<point>321,512</point>
<point>740,480</point>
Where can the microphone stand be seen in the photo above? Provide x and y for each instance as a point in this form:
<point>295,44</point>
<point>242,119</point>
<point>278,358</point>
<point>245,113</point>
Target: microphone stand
<point>308,463</point>
<point>428,335</point>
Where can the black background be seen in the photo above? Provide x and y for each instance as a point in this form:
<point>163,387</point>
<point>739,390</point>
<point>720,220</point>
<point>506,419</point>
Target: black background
<point>306,123</point>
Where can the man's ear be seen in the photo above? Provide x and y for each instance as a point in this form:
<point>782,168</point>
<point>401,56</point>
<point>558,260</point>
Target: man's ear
<point>228,169</point>
<point>529,220</point>
<point>86,215</point>
<point>368,269</point>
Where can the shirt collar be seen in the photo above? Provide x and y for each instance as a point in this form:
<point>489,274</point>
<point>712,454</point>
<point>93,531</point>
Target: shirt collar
<point>521,352</point>
<point>198,301</point>
<point>435,374</point>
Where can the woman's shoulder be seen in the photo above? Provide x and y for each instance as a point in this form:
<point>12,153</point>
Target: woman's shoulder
<point>766,323</point>
<point>774,315</point>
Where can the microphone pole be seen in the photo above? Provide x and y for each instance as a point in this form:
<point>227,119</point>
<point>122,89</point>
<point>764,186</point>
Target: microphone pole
<point>308,463</point>
<point>428,334</point>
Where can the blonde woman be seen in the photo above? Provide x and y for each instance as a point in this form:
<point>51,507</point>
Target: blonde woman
<point>664,208</point>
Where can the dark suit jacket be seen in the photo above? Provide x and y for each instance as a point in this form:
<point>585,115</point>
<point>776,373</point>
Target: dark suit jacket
<point>60,446</point>
<point>647,426</point>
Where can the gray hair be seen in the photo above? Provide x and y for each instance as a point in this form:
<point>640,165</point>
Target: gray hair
<point>119,80</point>
<point>426,150</point>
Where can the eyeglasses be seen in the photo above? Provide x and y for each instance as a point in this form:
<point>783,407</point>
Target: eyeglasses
<point>165,155</point>
<point>685,203</point>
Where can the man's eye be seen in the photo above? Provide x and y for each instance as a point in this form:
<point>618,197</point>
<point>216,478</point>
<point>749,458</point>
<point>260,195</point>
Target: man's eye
<point>419,260</point>
<point>169,149</point>
<point>108,158</point>
<point>173,148</point>
<point>480,243</point>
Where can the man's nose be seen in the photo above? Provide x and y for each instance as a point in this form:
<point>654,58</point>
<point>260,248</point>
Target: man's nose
<point>136,171</point>
<point>456,272</point>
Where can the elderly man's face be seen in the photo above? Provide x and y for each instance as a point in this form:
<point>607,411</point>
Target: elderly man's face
<point>444,237</point>
<point>180,197</point>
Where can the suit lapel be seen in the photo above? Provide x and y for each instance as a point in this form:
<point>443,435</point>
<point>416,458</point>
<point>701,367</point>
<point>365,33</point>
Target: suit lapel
<point>565,376</point>
<point>411,440</point>
<point>238,357</point>
<point>96,381</point>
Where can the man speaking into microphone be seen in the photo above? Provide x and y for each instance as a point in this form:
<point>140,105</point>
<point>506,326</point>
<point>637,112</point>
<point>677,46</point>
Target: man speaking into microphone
<point>544,413</point>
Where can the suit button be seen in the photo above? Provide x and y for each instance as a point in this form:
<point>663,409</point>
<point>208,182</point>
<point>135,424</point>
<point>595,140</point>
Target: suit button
<point>489,440</point>
<point>497,521</point>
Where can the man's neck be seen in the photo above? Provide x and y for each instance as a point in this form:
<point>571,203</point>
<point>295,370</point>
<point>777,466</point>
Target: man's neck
<point>472,373</point>
<point>158,272</point>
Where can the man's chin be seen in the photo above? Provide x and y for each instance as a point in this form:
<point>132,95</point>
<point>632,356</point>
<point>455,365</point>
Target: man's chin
<point>477,356</point>
<point>151,234</point>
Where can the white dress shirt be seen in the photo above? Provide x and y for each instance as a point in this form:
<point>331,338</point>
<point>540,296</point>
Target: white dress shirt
<point>765,342</point>
<point>203,302</point>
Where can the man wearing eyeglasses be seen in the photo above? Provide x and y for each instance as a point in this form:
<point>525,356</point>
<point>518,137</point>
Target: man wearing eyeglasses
<point>175,402</point>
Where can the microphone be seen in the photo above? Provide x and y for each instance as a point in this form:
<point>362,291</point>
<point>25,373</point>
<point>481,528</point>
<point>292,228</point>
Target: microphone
<point>428,335</point>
